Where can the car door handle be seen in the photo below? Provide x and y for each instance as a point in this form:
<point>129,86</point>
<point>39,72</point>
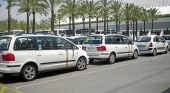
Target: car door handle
<point>116,47</point>
<point>61,54</point>
<point>125,47</point>
<point>38,55</point>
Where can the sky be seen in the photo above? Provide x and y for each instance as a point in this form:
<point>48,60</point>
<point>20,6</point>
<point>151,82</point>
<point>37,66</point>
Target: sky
<point>15,15</point>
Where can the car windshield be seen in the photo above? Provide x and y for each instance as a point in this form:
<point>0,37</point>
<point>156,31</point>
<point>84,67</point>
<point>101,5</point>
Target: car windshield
<point>4,43</point>
<point>166,37</point>
<point>77,41</point>
<point>93,40</point>
<point>143,39</point>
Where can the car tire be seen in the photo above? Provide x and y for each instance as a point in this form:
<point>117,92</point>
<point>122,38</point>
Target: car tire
<point>81,64</point>
<point>111,58</point>
<point>154,52</point>
<point>166,50</point>
<point>135,54</point>
<point>91,61</point>
<point>28,72</point>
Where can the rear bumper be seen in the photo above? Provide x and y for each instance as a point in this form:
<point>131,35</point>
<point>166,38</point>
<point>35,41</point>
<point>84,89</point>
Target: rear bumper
<point>145,51</point>
<point>98,55</point>
<point>5,68</point>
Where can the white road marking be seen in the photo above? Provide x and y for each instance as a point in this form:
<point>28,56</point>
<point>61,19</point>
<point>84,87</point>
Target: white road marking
<point>90,72</point>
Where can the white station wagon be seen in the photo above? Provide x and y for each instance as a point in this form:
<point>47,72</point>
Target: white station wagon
<point>109,47</point>
<point>29,54</point>
<point>152,44</point>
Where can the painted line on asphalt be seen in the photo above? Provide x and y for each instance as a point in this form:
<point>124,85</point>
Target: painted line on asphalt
<point>90,72</point>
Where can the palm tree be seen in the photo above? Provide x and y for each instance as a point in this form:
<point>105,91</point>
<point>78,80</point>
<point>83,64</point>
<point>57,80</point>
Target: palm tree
<point>44,24</point>
<point>104,7</point>
<point>98,15</point>
<point>91,7</point>
<point>128,15</point>
<point>82,12</point>
<point>38,6</point>
<point>144,17</point>
<point>10,4</point>
<point>152,12</point>
<point>24,6</point>
<point>3,25</point>
<point>116,7</point>
<point>22,25</point>
<point>53,4</point>
<point>58,19</point>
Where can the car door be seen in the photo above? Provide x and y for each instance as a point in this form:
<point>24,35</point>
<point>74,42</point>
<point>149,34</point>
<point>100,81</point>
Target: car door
<point>46,52</point>
<point>128,46</point>
<point>162,44</point>
<point>158,44</point>
<point>120,47</point>
<point>67,55</point>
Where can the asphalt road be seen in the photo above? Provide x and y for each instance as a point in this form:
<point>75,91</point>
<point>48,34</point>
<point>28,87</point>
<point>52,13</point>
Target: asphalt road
<point>147,74</point>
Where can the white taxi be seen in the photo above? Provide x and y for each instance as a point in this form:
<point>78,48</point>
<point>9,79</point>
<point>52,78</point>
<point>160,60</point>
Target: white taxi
<point>152,44</point>
<point>109,47</point>
<point>27,55</point>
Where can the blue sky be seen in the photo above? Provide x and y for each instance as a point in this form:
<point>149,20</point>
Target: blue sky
<point>4,12</point>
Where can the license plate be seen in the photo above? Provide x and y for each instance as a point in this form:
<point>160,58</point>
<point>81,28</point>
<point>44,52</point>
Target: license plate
<point>91,48</point>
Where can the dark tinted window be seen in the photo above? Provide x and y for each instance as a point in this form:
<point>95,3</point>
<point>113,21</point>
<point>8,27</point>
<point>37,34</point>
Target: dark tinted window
<point>63,43</point>
<point>118,40</point>
<point>109,40</point>
<point>126,40</point>
<point>24,43</point>
<point>157,39</point>
<point>45,43</point>
<point>78,41</point>
<point>144,39</point>
<point>166,37</point>
<point>93,40</point>
<point>4,43</point>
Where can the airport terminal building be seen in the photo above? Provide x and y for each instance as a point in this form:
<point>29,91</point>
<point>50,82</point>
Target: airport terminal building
<point>160,24</point>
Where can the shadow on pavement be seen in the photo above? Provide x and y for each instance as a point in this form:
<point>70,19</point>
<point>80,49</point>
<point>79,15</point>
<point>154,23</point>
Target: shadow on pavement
<point>166,91</point>
<point>150,55</point>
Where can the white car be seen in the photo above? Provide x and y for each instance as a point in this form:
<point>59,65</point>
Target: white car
<point>152,44</point>
<point>27,55</point>
<point>109,47</point>
<point>78,40</point>
<point>167,38</point>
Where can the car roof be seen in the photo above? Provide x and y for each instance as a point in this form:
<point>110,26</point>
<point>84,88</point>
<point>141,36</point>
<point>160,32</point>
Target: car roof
<point>75,37</point>
<point>107,35</point>
<point>23,35</point>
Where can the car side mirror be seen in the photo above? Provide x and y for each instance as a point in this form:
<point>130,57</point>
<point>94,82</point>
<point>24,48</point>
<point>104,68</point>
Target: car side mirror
<point>74,47</point>
<point>130,42</point>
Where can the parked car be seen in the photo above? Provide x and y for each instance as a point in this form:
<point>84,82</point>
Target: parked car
<point>152,44</point>
<point>27,55</point>
<point>167,38</point>
<point>78,40</point>
<point>109,47</point>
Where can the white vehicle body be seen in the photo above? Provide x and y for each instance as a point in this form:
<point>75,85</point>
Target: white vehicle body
<point>167,38</point>
<point>40,52</point>
<point>151,44</point>
<point>102,46</point>
<point>78,40</point>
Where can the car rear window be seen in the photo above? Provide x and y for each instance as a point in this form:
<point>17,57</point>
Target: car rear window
<point>93,40</point>
<point>143,39</point>
<point>166,37</point>
<point>4,43</point>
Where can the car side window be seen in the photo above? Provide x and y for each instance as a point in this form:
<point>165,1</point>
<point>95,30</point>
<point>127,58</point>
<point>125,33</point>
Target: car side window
<point>63,43</point>
<point>157,39</point>
<point>45,43</point>
<point>126,40</point>
<point>162,40</point>
<point>109,40</point>
<point>24,43</point>
<point>118,40</point>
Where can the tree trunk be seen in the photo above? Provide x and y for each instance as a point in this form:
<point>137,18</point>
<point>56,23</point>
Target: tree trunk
<point>89,25</point>
<point>33,28</point>
<point>116,23</point>
<point>136,29</point>
<point>127,27</point>
<point>52,19</point>
<point>97,20</point>
<point>119,27</point>
<point>105,23</point>
<point>59,24</point>
<point>69,25</point>
<point>133,30</point>
<point>144,27</point>
<point>152,27</point>
<point>27,21</point>
<point>83,25</point>
<point>73,24</point>
<point>9,17</point>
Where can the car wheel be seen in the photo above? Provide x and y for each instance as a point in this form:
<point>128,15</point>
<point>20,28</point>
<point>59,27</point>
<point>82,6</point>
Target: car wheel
<point>166,50</point>
<point>111,58</point>
<point>135,54</point>
<point>154,52</point>
<point>91,60</point>
<point>81,64</point>
<point>28,72</point>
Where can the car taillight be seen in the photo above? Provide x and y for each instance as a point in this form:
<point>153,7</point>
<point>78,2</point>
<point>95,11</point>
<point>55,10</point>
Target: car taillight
<point>150,44</point>
<point>83,47</point>
<point>101,48</point>
<point>8,57</point>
